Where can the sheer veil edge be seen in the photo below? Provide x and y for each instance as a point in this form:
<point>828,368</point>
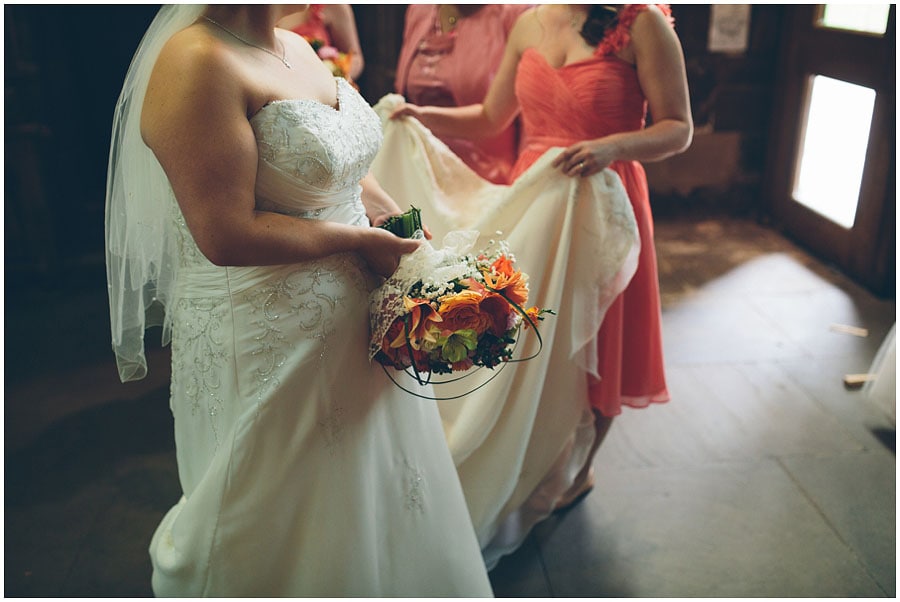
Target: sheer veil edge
<point>139,230</point>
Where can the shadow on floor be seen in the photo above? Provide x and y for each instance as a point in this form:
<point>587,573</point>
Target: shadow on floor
<point>84,447</point>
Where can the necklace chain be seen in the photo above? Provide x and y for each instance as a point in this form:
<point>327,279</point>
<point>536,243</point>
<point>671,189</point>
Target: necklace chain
<point>282,58</point>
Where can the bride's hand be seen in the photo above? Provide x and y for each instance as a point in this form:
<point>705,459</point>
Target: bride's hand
<point>386,216</point>
<point>382,250</point>
<point>585,158</point>
<point>406,110</point>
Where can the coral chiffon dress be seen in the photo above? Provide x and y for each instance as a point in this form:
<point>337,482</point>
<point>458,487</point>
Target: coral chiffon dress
<point>314,27</point>
<point>586,100</point>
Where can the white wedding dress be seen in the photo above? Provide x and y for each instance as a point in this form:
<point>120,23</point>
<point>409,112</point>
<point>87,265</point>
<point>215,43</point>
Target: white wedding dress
<point>305,471</point>
<point>519,440</point>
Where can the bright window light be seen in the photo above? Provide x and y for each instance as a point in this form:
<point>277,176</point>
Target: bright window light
<point>867,18</point>
<point>833,153</point>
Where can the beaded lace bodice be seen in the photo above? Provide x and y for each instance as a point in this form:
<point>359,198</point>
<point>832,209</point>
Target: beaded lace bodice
<point>312,157</point>
<point>327,148</point>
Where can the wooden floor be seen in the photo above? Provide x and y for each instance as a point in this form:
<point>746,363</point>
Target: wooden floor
<point>762,477</point>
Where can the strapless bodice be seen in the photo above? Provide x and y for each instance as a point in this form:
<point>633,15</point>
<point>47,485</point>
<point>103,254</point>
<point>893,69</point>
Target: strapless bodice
<point>312,157</point>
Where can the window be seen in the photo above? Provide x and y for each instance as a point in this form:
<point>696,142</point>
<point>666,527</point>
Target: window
<point>833,151</point>
<point>865,18</point>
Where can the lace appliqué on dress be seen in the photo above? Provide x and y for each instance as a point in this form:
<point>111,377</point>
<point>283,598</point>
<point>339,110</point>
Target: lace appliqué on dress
<point>189,255</point>
<point>413,484</point>
<point>333,428</point>
<point>198,323</point>
<point>306,299</point>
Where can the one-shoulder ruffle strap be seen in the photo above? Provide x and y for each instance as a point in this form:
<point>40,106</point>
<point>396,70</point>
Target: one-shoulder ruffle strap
<point>620,36</point>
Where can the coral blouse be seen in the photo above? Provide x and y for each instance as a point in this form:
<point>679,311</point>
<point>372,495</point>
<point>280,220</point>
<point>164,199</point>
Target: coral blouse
<point>456,69</point>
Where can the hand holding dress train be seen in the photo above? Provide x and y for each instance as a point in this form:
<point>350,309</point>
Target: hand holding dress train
<point>582,78</point>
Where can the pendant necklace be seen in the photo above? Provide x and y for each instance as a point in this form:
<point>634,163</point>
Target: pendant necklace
<point>282,58</point>
<point>452,20</point>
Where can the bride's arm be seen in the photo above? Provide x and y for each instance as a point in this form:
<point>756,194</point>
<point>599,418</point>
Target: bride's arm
<point>379,204</point>
<point>500,105</point>
<point>194,120</point>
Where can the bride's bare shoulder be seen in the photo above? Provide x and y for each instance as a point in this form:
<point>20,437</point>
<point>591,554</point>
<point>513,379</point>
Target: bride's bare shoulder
<point>195,49</point>
<point>195,75</point>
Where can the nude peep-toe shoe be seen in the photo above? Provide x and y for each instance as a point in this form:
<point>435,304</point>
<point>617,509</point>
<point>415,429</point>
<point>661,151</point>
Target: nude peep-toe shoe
<point>576,493</point>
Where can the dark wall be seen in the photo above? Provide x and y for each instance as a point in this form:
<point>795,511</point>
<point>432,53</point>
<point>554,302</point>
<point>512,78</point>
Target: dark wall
<point>64,65</point>
<point>732,96</point>
<point>380,35</point>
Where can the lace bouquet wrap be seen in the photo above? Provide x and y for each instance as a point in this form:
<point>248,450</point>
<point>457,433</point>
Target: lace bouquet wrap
<point>451,309</point>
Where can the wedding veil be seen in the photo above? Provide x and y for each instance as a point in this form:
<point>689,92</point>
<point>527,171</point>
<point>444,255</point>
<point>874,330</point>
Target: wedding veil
<point>140,244</point>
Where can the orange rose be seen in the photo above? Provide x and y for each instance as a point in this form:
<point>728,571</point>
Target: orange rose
<point>514,286</point>
<point>500,311</point>
<point>462,311</point>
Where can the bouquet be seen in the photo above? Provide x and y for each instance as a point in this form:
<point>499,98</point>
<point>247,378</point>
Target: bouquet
<point>334,59</point>
<point>449,310</point>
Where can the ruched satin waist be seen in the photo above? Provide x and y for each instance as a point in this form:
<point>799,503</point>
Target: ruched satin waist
<point>281,192</point>
<point>218,281</point>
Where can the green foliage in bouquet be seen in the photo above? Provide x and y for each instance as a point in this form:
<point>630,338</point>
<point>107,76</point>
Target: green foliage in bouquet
<point>405,224</point>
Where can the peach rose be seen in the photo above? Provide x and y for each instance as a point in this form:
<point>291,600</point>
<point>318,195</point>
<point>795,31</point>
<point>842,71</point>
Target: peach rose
<point>462,311</point>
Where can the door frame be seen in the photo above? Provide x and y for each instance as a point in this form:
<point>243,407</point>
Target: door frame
<point>867,251</point>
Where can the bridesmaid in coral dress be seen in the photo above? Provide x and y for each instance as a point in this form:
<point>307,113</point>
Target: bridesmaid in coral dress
<point>584,78</point>
<point>332,24</point>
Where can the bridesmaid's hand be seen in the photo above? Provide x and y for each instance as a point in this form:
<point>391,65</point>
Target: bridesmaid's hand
<point>406,110</point>
<point>586,158</point>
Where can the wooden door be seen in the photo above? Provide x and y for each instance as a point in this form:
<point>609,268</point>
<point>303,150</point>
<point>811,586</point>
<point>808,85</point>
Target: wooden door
<point>820,63</point>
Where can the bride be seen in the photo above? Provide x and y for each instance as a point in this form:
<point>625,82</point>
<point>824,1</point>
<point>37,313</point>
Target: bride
<point>238,216</point>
